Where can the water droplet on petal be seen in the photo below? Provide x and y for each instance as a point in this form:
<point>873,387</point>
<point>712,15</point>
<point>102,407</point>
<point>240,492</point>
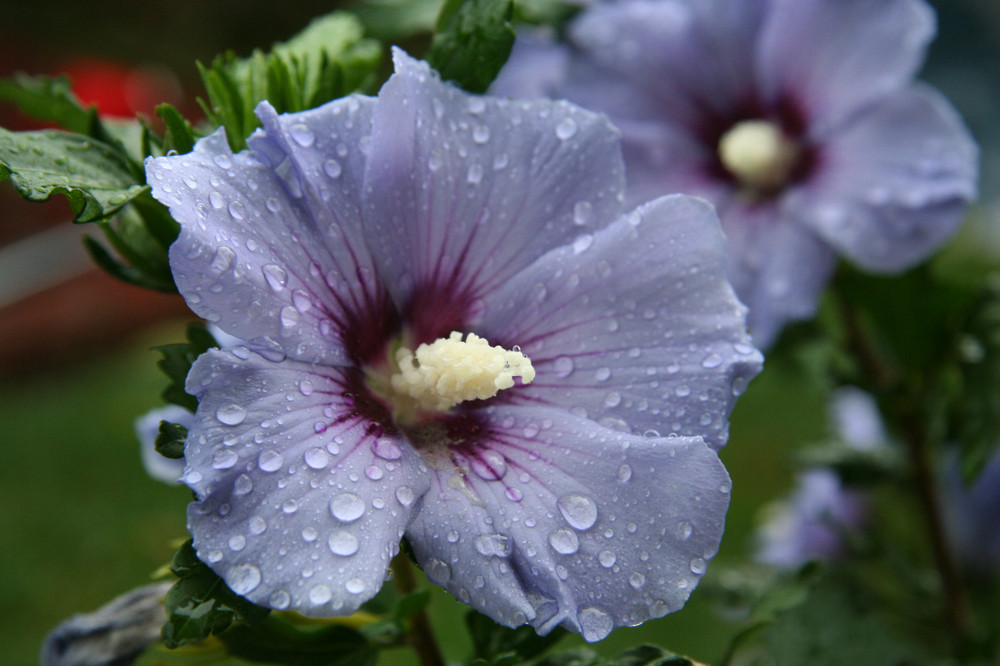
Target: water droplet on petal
<point>698,566</point>
<point>489,466</point>
<point>481,134</point>
<point>711,361</point>
<point>405,495</point>
<point>624,473</point>
<point>684,530</point>
<point>347,507</point>
<point>607,559</point>
<point>636,580</point>
<point>317,458</point>
<point>320,594</point>
<point>437,571</point>
<point>387,449</point>
<point>222,260</point>
<point>224,459</point>
<point>579,510</point>
<point>230,415</point>
<point>302,135</point>
<point>280,600</point>
<point>453,536</point>
<point>257,525</point>
<point>563,366</point>
<point>243,578</point>
<point>583,212</point>
<point>595,624</point>
<point>332,168</point>
<point>564,541</point>
<point>270,460</point>
<point>242,485</point>
<point>355,585</point>
<point>493,545</point>
<point>237,542</point>
<point>276,277</point>
<point>566,129</point>
<point>343,543</point>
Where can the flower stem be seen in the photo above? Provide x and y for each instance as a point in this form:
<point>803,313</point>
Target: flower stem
<point>907,409</point>
<point>421,636</point>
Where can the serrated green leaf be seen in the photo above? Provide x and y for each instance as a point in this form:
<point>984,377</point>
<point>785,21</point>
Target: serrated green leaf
<point>95,177</point>
<point>170,440</point>
<point>494,643</point>
<point>472,42</point>
<point>51,99</point>
<point>176,363</point>
<point>200,604</point>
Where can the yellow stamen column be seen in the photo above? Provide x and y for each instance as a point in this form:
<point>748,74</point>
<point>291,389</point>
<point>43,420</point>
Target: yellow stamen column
<point>450,370</point>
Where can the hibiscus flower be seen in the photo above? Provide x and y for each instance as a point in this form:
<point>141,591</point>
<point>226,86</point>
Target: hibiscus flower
<point>453,335</point>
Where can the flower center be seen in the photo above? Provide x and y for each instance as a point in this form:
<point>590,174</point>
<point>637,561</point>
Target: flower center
<point>438,376</point>
<point>759,155</point>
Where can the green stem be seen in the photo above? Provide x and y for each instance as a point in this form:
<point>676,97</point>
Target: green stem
<point>421,635</point>
<point>907,408</point>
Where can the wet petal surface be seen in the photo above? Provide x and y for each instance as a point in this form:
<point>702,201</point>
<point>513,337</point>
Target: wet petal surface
<point>465,191</point>
<point>303,495</point>
<point>270,247</point>
<point>635,326</point>
<point>548,519</point>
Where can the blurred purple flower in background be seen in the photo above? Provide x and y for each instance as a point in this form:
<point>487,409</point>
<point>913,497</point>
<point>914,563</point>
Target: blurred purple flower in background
<point>813,522</point>
<point>352,247</point>
<point>798,119</point>
<point>972,517</point>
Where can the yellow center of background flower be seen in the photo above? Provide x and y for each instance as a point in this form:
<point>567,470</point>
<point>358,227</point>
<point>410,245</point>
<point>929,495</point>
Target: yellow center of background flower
<point>759,155</point>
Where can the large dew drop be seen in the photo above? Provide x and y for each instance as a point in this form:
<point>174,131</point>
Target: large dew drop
<point>343,543</point>
<point>347,507</point>
<point>579,510</point>
<point>595,624</point>
<point>564,541</point>
<point>243,578</point>
<point>230,415</point>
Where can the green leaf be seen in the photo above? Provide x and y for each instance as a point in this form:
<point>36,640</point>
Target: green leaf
<point>472,42</point>
<point>649,655</point>
<point>331,58</point>
<point>200,604</point>
<point>835,627</point>
<point>278,642</point>
<point>51,99</point>
<point>176,363</point>
<point>577,657</point>
<point>170,440</point>
<point>857,467</point>
<point>495,644</point>
<point>977,410</point>
<point>395,20</point>
<point>96,178</point>
<point>180,136</point>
